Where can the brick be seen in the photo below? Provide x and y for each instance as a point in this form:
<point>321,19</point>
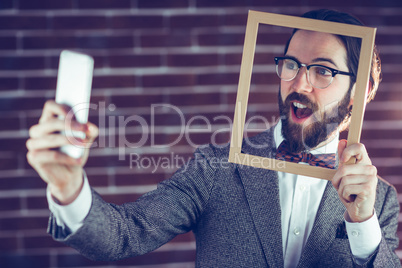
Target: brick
<point>222,3</point>
<point>24,260</point>
<point>162,3</point>
<point>40,83</point>
<point>222,39</point>
<point>10,161</point>
<point>49,41</point>
<point>7,83</point>
<point>390,58</point>
<point>389,152</point>
<point>15,104</point>
<point>388,95</point>
<point>239,19</point>
<point>10,122</point>
<point>15,22</point>
<point>173,80</point>
<point>8,244</point>
<point>8,42</point>
<point>20,224</point>
<point>172,39</point>
<point>13,144</point>
<point>218,79</point>
<point>262,97</point>
<point>389,39</point>
<point>103,4</point>
<point>383,115</point>
<point>77,260</point>
<point>78,22</point>
<point>183,60</point>
<point>264,79</point>
<point>41,241</point>
<point>22,183</point>
<point>8,204</point>
<point>137,22</point>
<point>21,63</point>
<point>136,101</point>
<point>6,4</point>
<point>134,61</point>
<point>114,81</point>
<point>368,3</point>
<point>389,171</point>
<point>272,38</point>
<point>106,161</point>
<point>194,21</point>
<point>379,134</point>
<point>45,4</point>
<point>259,58</point>
<point>37,203</point>
<point>97,180</point>
<point>100,41</point>
<point>195,99</point>
<point>390,78</point>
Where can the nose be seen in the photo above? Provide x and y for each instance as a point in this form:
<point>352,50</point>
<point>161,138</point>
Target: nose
<point>301,82</point>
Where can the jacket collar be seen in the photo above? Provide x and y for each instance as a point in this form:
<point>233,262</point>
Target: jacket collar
<point>262,192</point>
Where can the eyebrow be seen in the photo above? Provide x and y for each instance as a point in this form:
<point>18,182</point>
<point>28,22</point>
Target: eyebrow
<point>327,60</point>
<point>315,60</point>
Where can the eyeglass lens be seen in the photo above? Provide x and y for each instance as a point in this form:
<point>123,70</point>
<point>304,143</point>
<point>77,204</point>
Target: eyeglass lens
<point>318,76</point>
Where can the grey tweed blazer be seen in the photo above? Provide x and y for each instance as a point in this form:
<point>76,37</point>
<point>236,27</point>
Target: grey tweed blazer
<point>235,214</point>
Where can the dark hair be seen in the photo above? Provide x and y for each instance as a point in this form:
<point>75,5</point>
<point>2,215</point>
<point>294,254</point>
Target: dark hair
<point>352,45</point>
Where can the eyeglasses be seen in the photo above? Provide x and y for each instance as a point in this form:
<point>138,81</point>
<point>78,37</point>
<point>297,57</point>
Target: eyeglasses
<point>319,76</point>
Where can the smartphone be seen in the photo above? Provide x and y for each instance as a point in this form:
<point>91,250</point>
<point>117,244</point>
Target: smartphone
<point>74,83</point>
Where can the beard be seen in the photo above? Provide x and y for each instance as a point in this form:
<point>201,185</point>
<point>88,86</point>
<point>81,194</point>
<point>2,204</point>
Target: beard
<point>322,126</point>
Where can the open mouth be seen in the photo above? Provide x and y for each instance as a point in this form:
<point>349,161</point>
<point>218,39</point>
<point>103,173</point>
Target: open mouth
<point>301,111</point>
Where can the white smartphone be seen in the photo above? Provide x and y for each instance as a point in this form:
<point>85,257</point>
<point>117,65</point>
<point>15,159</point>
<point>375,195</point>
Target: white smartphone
<point>74,83</point>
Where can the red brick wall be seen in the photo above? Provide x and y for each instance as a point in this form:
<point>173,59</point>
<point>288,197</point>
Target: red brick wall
<point>184,53</point>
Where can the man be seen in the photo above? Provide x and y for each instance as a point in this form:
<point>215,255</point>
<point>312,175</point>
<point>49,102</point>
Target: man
<point>244,216</point>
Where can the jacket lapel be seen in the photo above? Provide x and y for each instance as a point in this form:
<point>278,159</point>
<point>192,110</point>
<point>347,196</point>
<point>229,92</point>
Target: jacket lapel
<point>262,192</point>
<point>328,219</point>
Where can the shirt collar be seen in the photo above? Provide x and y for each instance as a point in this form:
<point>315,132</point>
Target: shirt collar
<point>331,147</point>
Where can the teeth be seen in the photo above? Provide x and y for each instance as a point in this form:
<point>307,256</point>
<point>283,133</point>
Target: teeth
<point>299,105</point>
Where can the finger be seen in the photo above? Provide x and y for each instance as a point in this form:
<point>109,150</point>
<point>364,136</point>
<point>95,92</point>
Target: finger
<point>358,151</point>
<point>341,147</point>
<point>51,110</point>
<point>349,170</point>
<point>54,125</point>
<point>52,141</point>
<point>355,193</point>
<point>38,159</point>
<point>356,180</point>
<point>91,132</point>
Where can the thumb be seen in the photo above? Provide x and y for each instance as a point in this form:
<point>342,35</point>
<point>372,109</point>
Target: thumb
<point>341,147</point>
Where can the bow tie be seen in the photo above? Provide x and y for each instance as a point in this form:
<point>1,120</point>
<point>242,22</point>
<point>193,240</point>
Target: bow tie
<point>319,160</point>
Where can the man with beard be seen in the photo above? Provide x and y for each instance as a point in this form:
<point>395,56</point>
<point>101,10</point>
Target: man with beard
<point>243,216</point>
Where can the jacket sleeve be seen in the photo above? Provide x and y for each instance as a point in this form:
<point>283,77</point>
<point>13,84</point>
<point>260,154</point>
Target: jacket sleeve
<point>388,212</point>
<point>113,232</point>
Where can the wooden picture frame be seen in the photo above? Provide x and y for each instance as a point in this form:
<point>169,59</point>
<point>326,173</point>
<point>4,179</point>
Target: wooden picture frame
<point>255,18</point>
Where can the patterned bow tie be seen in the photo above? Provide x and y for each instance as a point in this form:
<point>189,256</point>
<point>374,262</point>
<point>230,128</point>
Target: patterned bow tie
<point>319,160</point>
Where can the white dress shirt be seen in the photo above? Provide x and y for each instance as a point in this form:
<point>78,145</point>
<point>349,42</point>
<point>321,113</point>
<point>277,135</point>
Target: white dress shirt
<point>300,197</point>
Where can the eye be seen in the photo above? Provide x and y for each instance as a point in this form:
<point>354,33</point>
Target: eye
<point>322,71</point>
<point>291,65</point>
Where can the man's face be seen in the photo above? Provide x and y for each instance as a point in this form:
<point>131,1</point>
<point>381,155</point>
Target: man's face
<point>311,115</point>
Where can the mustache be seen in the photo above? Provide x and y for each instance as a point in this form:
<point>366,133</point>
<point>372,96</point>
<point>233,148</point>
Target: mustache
<point>294,96</point>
